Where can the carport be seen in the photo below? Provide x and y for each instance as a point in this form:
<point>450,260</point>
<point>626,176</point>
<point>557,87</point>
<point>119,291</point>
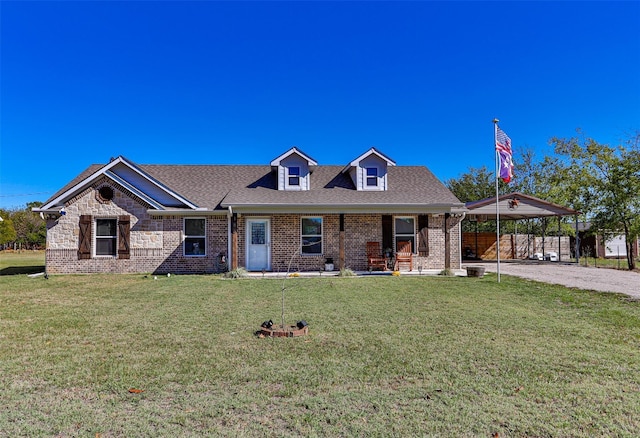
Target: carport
<point>516,206</point>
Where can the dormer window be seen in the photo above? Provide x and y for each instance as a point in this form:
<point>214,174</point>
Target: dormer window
<point>293,169</point>
<point>372,177</point>
<point>370,171</point>
<point>294,176</point>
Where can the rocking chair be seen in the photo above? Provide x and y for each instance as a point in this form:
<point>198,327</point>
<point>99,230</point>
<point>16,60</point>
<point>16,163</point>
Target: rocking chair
<point>404,255</point>
<point>375,259</point>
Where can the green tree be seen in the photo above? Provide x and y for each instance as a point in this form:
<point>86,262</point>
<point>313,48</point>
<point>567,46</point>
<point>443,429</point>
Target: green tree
<point>474,185</point>
<point>7,230</point>
<point>604,182</point>
<point>30,229</point>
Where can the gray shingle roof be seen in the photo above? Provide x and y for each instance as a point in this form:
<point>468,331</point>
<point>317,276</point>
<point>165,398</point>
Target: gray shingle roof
<point>216,187</point>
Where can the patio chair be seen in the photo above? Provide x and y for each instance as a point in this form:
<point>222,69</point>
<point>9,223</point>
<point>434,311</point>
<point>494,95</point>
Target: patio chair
<point>375,259</point>
<point>404,255</point>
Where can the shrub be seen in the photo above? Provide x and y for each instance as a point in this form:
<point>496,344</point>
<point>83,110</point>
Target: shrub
<point>346,272</point>
<point>236,273</point>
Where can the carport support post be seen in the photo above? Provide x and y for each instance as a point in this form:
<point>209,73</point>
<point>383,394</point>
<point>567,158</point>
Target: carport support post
<point>559,241</point>
<point>577,241</point>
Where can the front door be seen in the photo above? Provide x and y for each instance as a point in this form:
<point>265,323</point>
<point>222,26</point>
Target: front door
<point>258,245</point>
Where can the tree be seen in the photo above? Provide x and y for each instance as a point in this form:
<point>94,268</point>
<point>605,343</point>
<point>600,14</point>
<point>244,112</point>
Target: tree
<point>7,230</point>
<point>23,227</point>
<point>475,185</point>
<point>604,182</point>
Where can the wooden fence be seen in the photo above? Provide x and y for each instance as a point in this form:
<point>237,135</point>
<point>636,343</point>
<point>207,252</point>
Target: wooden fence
<point>513,246</point>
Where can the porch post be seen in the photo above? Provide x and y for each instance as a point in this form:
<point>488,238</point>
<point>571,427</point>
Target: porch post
<point>234,241</point>
<point>447,243</point>
<point>341,261</point>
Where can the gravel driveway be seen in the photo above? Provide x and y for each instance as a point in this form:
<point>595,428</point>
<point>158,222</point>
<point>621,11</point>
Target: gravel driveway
<point>570,275</point>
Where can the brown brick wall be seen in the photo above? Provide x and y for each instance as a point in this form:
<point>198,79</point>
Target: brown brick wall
<point>156,241</point>
<point>359,229</point>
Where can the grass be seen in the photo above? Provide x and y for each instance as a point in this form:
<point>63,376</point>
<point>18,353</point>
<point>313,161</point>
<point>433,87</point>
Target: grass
<point>21,262</point>
<point>386,356</point>
<point>606,263</point>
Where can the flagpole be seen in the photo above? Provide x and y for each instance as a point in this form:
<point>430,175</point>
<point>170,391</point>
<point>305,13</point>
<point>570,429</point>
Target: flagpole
<point>495,141</point>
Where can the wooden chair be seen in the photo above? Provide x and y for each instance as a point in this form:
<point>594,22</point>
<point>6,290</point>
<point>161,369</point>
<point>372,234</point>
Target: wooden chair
<point>375,259</point>
<point>404,255</point>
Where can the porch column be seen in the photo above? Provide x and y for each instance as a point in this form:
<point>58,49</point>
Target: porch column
<point>447,243</point>
<point>234,241</point>
<point>341,256</point>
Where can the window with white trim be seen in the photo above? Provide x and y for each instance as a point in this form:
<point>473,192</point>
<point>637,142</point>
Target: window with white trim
<point>405,231</point>
<point>106,237</point>
<point>372,176</point>
<point>294,175</point>
<point>195,238</point>
<point>311,236</point>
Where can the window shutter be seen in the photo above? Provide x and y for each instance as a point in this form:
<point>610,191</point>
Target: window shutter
<point>387,231</point>
<point>423,235</point>
<point>84,245</point>
<point>124,227</point>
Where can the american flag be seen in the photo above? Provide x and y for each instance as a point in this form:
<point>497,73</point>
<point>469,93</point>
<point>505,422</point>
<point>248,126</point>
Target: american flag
<point>503,142</point>
<point>503,146</point>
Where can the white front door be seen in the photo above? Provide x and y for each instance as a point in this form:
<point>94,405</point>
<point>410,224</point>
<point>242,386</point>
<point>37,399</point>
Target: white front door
<point>258,245</point>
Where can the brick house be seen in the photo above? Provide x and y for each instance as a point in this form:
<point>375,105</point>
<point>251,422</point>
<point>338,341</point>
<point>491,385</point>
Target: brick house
<point>128,218</point>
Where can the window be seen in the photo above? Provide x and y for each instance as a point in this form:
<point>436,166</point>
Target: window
<point>101,237</point>
<point>195,239</point>
<point>372,177</point>
<point>405,232</point>
<point>105,193</point>
<point>294,176</point>
<point>106,237</point>
<point>311,235</point>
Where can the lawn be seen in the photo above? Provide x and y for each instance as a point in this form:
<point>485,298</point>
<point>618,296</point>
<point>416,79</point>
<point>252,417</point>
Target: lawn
<point>385,356</point>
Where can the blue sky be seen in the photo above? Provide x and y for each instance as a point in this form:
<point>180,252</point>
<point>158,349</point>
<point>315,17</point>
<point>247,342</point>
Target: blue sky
<point>242,82</point>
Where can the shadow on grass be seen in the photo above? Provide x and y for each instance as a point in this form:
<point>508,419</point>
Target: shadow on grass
<point>18,270</point>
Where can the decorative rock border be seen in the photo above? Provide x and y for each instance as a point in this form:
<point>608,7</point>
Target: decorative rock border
<point>291,331</point>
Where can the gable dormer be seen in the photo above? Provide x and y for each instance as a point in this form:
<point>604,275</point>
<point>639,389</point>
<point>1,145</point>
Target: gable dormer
<point>293,170</point>
<point>369,171</point>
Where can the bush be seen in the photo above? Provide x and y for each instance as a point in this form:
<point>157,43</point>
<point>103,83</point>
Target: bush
<point>447,272</point>
<point>346,272</point>
<point>236,273</point>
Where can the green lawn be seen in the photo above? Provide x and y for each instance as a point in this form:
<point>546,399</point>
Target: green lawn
<point>385,356</point>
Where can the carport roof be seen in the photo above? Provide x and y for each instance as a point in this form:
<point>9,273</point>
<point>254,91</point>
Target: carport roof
<point>514,206</point>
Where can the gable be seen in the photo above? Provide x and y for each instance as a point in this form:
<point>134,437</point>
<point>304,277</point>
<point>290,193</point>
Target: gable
<point>146,185</point>
<point>127,175</point>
